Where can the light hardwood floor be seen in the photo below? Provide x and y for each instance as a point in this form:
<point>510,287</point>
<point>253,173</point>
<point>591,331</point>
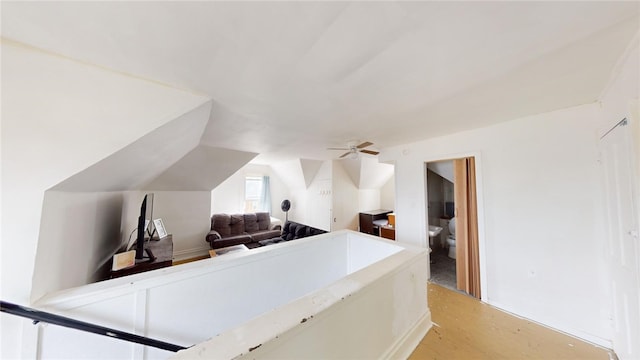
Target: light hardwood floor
<point>184,261</point>
<point>465,328</point>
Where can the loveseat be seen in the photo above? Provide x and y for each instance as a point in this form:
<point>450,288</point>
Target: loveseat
<point>292,231</point>
<point>241,229</point>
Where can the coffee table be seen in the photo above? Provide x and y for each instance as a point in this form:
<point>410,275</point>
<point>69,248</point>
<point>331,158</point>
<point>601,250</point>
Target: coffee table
<point>231,249</point>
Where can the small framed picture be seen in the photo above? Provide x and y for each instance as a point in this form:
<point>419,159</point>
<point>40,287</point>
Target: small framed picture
<point>162,232</point>
<point>123,260</point>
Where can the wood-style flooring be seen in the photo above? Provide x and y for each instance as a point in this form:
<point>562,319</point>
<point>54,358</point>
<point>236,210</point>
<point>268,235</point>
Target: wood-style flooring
<point>465,328</point>
<point>184,261</point>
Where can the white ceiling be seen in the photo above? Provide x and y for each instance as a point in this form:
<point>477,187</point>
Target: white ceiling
<point>289,79</point>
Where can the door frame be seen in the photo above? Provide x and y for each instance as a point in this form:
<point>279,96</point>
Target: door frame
<point>480,203</point>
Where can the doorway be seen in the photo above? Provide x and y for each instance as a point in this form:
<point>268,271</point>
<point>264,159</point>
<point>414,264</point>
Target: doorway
<point>453,219</point>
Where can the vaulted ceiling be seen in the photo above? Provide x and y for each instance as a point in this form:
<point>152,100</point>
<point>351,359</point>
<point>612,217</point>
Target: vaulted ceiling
<point>289,79</point>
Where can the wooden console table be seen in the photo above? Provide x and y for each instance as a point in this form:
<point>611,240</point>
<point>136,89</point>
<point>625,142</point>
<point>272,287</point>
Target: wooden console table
<point>368,217</point>
<point>388,232</point>
<point>162,250</point>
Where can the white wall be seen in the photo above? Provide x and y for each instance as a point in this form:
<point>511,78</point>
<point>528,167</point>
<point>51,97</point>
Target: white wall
<point>228,197</point>
<point>345,199</point>
<point>540,224</point>
<point>333,193</point>
<point>319,199</point>
<point>388,194</point>
<point>619,100</point>
<point>79,234</point>
<point>185,215</point>
<point>435,197</point>
<point>58,118</point>
<point>292,175</point>
<point>368,199</point>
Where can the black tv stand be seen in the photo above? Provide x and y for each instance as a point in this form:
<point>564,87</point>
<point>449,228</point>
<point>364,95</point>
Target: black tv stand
<point>151,257</point>
<point>146,259</point>
<point>158,254</point>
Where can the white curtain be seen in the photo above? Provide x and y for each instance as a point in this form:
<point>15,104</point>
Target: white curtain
<point>265,195</point>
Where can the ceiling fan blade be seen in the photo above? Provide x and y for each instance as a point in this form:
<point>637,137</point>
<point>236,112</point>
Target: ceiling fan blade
<point>337,149</point>
<point>371,152</point>
<point>364,145</point>
<point>345,154</point>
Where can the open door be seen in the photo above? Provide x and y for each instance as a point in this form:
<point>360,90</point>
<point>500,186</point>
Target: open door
<point>466,213</point>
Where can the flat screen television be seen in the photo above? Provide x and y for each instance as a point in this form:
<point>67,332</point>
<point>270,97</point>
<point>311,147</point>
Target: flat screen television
<point>146,215</point>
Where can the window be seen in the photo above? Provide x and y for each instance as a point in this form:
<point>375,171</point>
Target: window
<point>257,194</point>
<point>252,193</point>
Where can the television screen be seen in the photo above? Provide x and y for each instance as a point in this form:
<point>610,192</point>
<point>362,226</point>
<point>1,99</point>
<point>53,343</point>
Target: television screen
<point>148,216</point>
<point>146,212</point>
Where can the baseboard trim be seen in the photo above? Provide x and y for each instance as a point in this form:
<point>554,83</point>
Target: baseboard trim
<point>404,346</point>
<point>563,328</point>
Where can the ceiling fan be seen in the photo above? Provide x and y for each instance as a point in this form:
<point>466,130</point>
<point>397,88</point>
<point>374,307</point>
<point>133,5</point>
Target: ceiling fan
<point>353,150</point>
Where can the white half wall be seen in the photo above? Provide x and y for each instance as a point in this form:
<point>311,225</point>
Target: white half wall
<point>340,267</point>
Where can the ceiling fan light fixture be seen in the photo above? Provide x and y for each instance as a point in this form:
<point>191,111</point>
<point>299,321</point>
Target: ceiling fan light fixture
<point>355,149</point>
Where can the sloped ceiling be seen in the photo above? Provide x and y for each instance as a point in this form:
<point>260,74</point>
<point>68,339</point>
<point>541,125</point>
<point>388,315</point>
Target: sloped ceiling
<point>297,173</point>
<point>442,168</point>
<point>202,169</point>
<point>290,79</point>
<point>290,172</point>
<point>310,169</point>
<point>366,172</point>
<point>135,165</point>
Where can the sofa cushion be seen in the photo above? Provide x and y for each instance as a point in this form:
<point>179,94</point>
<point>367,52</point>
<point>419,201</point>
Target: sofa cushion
<point>293,230</point>
<point>264,220</point>
<point>314,231</point>
<point>212,236</point>
<point>289,231</point>
<point>286,228</point>
<point>236,224</point>
<point>222,224</point>
<point>301,231</point>
<point>270,241</point>
<point>250,223</point>
<point>230,241</point>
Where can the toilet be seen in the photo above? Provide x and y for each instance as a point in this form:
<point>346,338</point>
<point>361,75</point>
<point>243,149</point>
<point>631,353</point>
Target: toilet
<point>451,239</point>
